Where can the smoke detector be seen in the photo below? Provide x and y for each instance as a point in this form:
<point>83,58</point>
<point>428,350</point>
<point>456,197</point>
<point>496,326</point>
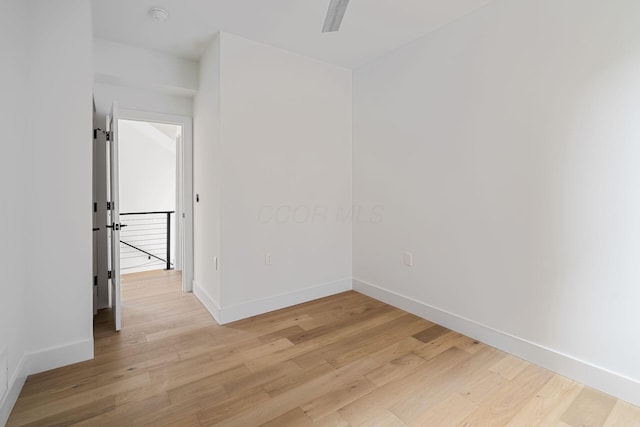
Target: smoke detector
<point>159,14</point>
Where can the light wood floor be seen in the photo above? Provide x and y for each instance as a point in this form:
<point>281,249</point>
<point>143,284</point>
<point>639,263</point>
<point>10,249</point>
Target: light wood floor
<point>340,361</point>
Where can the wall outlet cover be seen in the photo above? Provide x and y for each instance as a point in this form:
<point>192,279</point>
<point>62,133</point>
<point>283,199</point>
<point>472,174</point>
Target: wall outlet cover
<point>408,259</point>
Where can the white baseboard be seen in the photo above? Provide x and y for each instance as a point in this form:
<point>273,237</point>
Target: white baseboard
<point>613,383</point>
<point>58,356</point>
<point>224,315</point>
<point>207,300</point>
<point>15,386</point>
<point>40,361</point>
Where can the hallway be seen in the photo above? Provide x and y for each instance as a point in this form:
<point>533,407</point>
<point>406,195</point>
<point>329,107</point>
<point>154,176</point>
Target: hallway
<point>343,360</point>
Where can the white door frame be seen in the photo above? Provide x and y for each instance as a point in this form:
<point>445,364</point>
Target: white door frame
<point>114,214</point>
<point>185,153</point>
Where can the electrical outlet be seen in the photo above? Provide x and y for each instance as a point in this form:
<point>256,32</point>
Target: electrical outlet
<point>267,258</point>
<point>408,259</point>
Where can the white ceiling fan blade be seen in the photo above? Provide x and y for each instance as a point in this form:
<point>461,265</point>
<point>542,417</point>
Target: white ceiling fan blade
<point>337,9</point>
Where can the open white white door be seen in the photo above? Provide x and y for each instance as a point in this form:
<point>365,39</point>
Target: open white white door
<point>114,215</point>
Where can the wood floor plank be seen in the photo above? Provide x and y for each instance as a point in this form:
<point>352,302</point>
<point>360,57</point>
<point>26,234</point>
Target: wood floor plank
<point>393,392</point>
<point>590,408</point>
<point>341,361</point>
<point>430,333</point>
<point>509,367</point>
<point>549,404</point>
<point>302,376</point>
<point>330,402</point>
<point>211,387</point>
<point>77,414</point>
<point>373,340</point>
<point>228,408</point>
<point>303,393</point>
<point>449,412</point>
<point>480,385</point>
<point>397,368</point>
<point>294,418</point>
<point>623,414</point>
<point>501,406</point>
<point>281,333</point>
<point>124,413</point>
<point>439,386</point>
<point>260,378</point>
<point>321,345</point>
<point>30,415</point>
<point>396,350</point>
<point>338,325</point>
<point>332,420</point>
<point>55,392</point>
<point>438,345</point>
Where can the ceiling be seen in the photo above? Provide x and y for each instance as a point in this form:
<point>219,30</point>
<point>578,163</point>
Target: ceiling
<point>370,27</point>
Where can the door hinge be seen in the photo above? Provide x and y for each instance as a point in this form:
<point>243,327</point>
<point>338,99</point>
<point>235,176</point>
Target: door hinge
<point>109,274</point>
<point>95,280</point>
<point>95,133</point>
<point>95,207</point>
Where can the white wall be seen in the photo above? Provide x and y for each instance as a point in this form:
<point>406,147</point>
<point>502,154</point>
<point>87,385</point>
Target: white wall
<point>207,177</point>
<point>147,167</point>
<point>59,308</point>
<point>45,179</point>
<point>504,152</point>
<point>141,99</point>
<point>286,134</point>
<point>142,79</point>
<point>14,45</point>
<point>125,65</point>
<point>284,163</point>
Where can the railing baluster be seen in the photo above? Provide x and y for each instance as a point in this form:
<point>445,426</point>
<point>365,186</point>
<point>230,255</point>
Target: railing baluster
<point>168,240</point>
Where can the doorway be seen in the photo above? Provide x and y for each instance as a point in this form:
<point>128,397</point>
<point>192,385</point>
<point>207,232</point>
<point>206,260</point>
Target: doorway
<point>149,195</point>
<point>155,167</point>
<point>146,204</point>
